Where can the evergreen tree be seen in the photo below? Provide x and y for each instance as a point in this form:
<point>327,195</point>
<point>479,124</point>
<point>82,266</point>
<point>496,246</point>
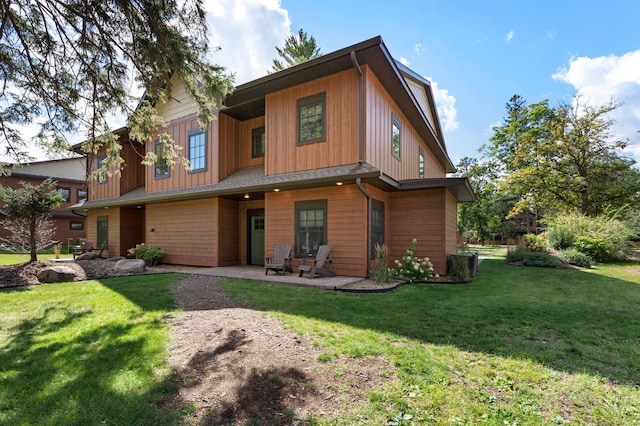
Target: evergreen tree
<point>297,49</point>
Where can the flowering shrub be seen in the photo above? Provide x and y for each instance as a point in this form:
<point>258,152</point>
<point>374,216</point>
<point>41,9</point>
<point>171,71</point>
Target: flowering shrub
<point>150,255</point>
<point>412,267</point>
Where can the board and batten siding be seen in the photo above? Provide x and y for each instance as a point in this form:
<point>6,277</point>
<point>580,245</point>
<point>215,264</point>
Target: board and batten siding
<point>188,230</point>
<point>420,215</point>
<point>340,146</point>
<point>346,229</point>
<point>113,235</point>
<point>380,110</point>
<point>246,143</point>
<point>451,214</point>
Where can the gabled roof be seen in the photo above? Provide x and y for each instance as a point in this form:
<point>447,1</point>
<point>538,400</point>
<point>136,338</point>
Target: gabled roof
<point>248,100</point>
<point>68,169</point>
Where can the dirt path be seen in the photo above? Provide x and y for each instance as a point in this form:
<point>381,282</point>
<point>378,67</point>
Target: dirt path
<point>239,365</point>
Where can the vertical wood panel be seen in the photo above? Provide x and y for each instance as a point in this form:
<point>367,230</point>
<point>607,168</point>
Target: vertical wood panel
<point>245,142</point>
<point>228,231</point>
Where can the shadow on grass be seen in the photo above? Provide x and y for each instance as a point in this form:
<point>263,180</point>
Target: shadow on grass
<point>569,320</point>
<point>58,367</point>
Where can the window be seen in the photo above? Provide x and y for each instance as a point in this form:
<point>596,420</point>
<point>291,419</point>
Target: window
<point>197,150</point>
<point>101,177</point>
<point>395,137</point>
<point>257,142</point>
<point>377,225</point>
<point>161,169</point>
<point>66,193</point>
<point>421,163</point>
<point>311,227</point>
<point>103,230</point>
<point>311,119</point>
<point>76,225</point>
<point>81,195</point>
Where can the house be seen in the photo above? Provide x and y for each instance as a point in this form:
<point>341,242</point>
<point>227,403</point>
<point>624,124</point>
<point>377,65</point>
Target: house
<point>70,177</point>
<point>345,149</point>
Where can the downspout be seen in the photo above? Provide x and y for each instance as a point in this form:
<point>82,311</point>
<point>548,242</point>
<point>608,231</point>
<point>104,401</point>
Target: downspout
<point>361,153</point>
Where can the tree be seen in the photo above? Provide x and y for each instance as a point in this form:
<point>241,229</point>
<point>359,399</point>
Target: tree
<point>297,49</point>
<point>27,215</point>
<point>66,66</point>
<point>486,216</point>
<point>563,158</point>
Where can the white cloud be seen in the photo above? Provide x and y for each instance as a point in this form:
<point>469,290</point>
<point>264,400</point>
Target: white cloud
<point>446,106</point>
<point>404,61</point>
<point>418,48</point>
<point>248,32</point>
<point>510,35</point>
<point>605,78</point>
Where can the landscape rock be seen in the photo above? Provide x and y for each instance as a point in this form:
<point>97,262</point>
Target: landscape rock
<point>87,256</point>
<point>130,266</point>
<point>56,274</point>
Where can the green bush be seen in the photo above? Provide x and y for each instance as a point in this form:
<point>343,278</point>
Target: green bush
<point>597,248</point>
<point>533,258</point>
<point>560,237</point>
<point>575,257</point>
<point>532,242</point>
<point>150,255</point>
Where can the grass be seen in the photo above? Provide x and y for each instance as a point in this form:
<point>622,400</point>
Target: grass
<point>90,352</point>
<point>11,258</point>
<point>526,346</point>
<point>518,346</point>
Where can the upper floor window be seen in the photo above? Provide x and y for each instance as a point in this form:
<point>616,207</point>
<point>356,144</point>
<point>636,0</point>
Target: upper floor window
<point>311,226</point>
<point>197,150</point>
<point>311,119</point>
<point>257,142</point>
<point>421,163</point>
<point>66,193</point>
<point>395,137</point>
<point>81,194</point>
<point>101,177</point>
<point>161,168</point>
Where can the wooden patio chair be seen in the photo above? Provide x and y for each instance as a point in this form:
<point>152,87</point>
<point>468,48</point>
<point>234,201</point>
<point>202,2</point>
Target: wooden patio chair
<point>281,260</point>
<point>102,249</point>
<point>317,267</point>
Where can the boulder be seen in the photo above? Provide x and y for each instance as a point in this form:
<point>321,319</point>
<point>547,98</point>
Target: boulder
<point>56,274</point>
<point>87,256</point>
<point>130,266</point>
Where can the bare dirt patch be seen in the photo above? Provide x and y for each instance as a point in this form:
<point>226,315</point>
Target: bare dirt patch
<point>237,365</point>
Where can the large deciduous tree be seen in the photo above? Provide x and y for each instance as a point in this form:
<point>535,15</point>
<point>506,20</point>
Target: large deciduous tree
<point>564,158</point>
<point>297,48</point>
<point>67,65</point>
<point>27,216</point>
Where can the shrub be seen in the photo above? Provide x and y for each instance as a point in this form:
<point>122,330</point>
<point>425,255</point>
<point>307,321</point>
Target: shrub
<point>533,258</point>
<point>412,267</point>
<point>150,255</point>
<point>460,268</point>
<point>597,248</point>
<point>381,273</point>
<point>532,242</point>
<point>574,257</point>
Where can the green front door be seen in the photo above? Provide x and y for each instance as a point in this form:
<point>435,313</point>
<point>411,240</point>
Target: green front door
<point>256,239</point>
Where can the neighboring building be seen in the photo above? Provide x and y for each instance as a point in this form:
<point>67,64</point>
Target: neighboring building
<point>345,149</point>
<point>70,177</point>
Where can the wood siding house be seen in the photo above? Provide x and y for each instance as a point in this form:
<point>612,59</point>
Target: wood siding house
<point>70,177</point>
<point>345,149</point>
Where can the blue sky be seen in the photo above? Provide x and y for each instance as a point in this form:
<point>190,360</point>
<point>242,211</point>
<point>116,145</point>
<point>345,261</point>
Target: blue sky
<point>476,53</point>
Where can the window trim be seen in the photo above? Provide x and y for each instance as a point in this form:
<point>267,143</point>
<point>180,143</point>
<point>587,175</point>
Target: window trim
<point>78,191</point>
<point>395,123</point>
<point>76,225</point>
<point>197,132</point>
<point>307,101</point>
<point>67,198</point>
<point>156,166</point>
<point>255,132</point>
<point>309,205</point>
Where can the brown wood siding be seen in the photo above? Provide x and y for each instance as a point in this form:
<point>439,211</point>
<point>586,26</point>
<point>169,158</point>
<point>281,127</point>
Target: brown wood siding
<point>346,229</point>
<point>451,214</point>
<point>420,215</point>
<point>188,230</point>
<point>131,229</point>
<point>227,154</point>
<point>380,108</point>
<point>102,190</point>
<point>133,172</point>
<point>228,231</point>
<point>246,143</point>
<point>341,144</point>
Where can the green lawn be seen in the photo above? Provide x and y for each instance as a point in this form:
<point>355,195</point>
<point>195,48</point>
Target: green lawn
<point>519,345</point>
<point>10,259</point>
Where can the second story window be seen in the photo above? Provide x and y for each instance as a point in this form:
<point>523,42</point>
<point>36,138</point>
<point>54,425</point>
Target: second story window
<point>66,193</point>
<point>197,150</point>
<point>395,137</point>
<point>102,174</point>
<point>161,169</point>
<point>421,163</point>
<point>81,194</point>
<point>311,119</point>
<point>257,142</point>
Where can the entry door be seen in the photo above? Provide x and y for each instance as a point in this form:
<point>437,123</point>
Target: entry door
<point>256,239</point>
